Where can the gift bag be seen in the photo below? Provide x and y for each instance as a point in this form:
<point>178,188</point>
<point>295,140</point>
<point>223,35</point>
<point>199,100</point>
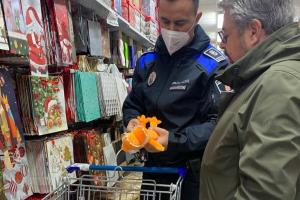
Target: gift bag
<point>16,178</point>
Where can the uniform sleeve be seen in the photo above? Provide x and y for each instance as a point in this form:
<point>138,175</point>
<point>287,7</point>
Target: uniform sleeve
<point>269,161</point>
<point>195,137</point>
<point>133,105</point>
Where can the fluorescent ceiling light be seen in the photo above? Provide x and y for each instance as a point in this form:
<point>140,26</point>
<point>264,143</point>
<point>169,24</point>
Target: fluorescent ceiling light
<point>209,19</point>
<point>220,20</point>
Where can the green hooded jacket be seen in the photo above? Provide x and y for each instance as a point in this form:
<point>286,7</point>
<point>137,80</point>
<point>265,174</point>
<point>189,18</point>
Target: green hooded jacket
<point>254,151</point>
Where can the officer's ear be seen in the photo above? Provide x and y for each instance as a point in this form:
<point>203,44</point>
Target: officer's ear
<point>198,16</point>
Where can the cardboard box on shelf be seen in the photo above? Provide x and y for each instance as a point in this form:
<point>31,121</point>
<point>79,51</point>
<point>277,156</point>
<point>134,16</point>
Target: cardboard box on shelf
<point>148,7</point>
<point>117,6</point>
<point>125,10</point>
<point>143,23</point>
<point>132,11</point>
<point>137,20</point>
<point>151,28</point>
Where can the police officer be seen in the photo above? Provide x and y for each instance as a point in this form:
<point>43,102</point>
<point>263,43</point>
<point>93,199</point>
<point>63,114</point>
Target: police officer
<point>175,84</point>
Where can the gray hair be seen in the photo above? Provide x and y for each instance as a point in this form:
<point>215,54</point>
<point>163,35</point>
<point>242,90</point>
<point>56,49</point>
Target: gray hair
<point>273,14</point>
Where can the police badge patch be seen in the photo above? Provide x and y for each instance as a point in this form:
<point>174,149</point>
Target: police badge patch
<point>223,88</point>
<point>214,54</point>
<point>152,78</point>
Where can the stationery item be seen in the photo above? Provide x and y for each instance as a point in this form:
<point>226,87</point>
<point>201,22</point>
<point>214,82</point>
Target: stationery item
<point>16,27</point>
<point>108,94</point>
<point>10,122</point>
<point>16,178</point>
<point>110,159</point>
<point>122,91</point>
<point>95,38</point>
<point>87,103</point>
<point>126,53</point>
<point>3,33</point>
<point>71,31</point>
<point>88,148</point>
<point>60,155</point>
<point>48,160</point>
<point>63,28</point>
<point>35,37</point>
<point>132,58</point>
<point>2,192</point>
<point>80,26</point>
<point>105,41</point>
<point>38,167</point>
<point>51,33</point>
<point>25,103</point>
<point>121,55</point>
<point>70,98</point>
<point>48,104</point>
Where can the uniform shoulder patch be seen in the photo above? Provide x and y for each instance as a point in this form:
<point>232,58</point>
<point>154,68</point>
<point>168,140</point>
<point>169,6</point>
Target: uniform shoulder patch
<point>214,54</point>
<point>147,58</point>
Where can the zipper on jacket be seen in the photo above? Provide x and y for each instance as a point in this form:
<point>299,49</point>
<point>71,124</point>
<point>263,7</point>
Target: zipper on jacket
<point>164,85</point>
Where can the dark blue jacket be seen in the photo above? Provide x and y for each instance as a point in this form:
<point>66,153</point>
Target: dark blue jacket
<point>180,91</point>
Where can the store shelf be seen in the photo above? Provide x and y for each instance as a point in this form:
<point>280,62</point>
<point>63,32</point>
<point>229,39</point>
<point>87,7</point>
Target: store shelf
<point>13,60</point>
<point>103,10</point>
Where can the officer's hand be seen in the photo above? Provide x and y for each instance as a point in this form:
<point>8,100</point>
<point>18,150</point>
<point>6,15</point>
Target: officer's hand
<point>132,124</point>
<point>163,139</point>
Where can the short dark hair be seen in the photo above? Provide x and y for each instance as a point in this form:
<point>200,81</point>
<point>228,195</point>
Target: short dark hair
<point>195,2</point>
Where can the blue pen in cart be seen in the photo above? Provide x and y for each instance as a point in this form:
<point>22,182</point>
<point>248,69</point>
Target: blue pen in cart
<point>124,189</point>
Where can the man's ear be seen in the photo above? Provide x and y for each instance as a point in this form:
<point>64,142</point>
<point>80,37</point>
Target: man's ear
<point>255,32</point>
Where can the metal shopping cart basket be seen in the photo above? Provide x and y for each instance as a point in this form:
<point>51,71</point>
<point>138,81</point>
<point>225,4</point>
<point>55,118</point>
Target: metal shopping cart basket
<point>83,188</point>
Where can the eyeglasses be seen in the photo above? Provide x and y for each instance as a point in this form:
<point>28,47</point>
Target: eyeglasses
<point>222,36</point>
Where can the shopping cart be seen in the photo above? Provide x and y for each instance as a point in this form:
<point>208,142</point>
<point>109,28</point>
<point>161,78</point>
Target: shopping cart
<point>83,188</point>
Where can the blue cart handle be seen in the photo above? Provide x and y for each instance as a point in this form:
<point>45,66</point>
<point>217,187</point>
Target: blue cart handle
<point>164,170</point>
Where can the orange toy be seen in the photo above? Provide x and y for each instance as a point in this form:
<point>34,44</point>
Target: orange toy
<point>141,136</point>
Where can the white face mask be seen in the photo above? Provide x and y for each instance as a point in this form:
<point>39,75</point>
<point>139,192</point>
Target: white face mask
<point>175,40</point>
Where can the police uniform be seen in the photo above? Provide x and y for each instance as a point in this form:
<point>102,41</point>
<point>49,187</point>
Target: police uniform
<point>180,91</point>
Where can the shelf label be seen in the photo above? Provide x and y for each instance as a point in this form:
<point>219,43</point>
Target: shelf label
<point>112,19</point>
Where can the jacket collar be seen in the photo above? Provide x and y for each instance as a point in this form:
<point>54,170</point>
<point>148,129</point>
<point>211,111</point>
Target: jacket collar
<point>282,45</point>
<point>198,44</point>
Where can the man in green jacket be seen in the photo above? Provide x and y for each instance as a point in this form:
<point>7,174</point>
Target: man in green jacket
<point>254,151</point>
